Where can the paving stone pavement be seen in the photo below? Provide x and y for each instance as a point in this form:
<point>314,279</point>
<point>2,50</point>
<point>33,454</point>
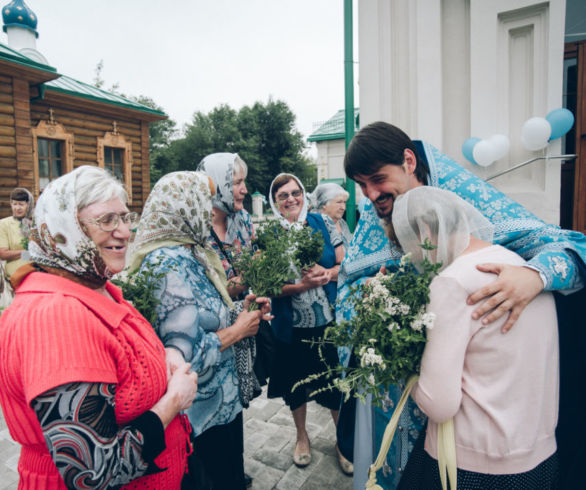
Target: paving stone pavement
<point>269,442</point>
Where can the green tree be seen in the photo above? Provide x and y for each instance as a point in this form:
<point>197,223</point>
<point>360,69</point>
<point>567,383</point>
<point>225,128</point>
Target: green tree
<point>264,135</point>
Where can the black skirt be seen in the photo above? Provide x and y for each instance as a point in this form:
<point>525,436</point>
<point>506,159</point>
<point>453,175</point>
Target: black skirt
<point>296,361</point>
<point>422,473</point>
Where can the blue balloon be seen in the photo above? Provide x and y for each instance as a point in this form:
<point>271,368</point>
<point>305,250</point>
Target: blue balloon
<point>468,148</point>
<point>561,121</point>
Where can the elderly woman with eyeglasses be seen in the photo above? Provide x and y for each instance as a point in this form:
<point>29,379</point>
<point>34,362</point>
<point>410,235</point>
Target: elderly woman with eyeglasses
<point>301,316</point>
<point>83,381</point>
<point>329,199</point>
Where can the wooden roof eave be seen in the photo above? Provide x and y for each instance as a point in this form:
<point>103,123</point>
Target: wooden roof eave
<point>104,108</point>
<point>32,75</point>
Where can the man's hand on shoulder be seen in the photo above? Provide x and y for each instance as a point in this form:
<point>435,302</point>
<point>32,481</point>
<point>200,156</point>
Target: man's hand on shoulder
<point>513,290</point>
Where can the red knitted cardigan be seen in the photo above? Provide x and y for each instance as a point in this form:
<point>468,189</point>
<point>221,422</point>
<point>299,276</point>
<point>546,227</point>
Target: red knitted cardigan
<point>56,332</point>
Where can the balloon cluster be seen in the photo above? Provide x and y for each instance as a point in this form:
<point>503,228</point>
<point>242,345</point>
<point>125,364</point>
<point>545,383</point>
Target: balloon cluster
<point>536,133</point>
<point>484,152</point>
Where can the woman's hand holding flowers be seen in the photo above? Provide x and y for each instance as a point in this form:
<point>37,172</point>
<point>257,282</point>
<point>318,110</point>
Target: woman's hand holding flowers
<point>235,286</point>
<point>315,276</point>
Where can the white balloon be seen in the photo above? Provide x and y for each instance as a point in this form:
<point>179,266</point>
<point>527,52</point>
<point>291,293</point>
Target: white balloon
<point>484,153</point>
<point>535,133</point>
<point>501,145</point>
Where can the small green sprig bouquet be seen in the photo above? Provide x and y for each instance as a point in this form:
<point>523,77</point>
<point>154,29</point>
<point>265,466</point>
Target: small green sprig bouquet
<point>277,256</point>
<point>138,288</point>
<point>387,332</point>
<point>308,246</point>
<point>25,236</point>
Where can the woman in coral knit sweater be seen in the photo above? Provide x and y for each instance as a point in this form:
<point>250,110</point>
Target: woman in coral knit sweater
<point>83,381</point>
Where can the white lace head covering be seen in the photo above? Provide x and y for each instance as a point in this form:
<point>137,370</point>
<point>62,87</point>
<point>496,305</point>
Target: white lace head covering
<point>324,193</point>
<point>442,217</point>
<point>275,208</point>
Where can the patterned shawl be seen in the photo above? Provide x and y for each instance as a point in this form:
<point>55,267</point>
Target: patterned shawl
<point>57,241</point>
<point>220,168</point>
<point>178,211</point>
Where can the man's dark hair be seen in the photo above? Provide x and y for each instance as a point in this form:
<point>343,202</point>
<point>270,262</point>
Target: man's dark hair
<point>380,144</point>
<point>19,194</point>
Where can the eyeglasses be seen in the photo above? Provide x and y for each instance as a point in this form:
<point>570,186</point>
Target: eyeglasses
<point>109,222</point>
<point>285,195</point>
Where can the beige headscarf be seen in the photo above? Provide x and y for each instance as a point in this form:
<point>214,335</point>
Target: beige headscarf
<point>179,212</point>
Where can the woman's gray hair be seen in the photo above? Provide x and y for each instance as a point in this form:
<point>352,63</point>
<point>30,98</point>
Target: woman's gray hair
<point>324,193</point>
<point>95,184</point>
<point>240,165</point>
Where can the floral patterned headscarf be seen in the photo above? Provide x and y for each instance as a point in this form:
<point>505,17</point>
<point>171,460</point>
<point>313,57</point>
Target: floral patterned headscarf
<point>220,167</point>
<point>178,211</point>
<point>57,240</point>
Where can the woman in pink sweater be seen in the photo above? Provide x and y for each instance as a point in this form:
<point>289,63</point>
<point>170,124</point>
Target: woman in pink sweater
<point>83,381</point>
<point>501,390</point>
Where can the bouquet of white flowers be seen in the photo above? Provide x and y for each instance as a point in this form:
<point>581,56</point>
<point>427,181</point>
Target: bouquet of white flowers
<point>387,332</point>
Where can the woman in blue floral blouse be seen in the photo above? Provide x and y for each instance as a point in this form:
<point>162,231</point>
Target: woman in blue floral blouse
<point>197,320</point>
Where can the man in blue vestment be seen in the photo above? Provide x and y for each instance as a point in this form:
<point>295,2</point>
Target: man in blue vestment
<point>385,162</point>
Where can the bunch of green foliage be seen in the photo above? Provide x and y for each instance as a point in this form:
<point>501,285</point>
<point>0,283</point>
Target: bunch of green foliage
<point>138,288</point>
<point>266,270</point>
<point>309,246</point>
<point>277,257</point>
<point>24,240</point>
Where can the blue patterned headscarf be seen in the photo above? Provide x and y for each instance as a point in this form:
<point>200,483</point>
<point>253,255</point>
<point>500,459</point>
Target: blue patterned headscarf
<point>220,168</point>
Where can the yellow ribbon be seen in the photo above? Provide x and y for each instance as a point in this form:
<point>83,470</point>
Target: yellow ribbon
<point>388,436</point>
<point>446,445</point>
<point>446,454</point>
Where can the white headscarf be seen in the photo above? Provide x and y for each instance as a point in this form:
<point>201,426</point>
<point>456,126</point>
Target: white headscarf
<point>220,167</point>
<point>324,193</point>
<point>57,239</point>
<point>275,208</point>
<point>443,218</point>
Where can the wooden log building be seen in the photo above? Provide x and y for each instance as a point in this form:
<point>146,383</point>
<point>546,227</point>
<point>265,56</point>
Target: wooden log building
<point>51,123</point>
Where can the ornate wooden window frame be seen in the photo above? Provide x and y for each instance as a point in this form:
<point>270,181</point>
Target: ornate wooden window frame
<point>54,131</point>
<point>114,139</point>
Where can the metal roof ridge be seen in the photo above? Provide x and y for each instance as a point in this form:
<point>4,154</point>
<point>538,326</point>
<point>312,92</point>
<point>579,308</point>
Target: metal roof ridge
<point>20,58</point>
<point>68,84</point>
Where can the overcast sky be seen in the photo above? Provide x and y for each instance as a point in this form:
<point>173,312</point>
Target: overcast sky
<point>192,55</point>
